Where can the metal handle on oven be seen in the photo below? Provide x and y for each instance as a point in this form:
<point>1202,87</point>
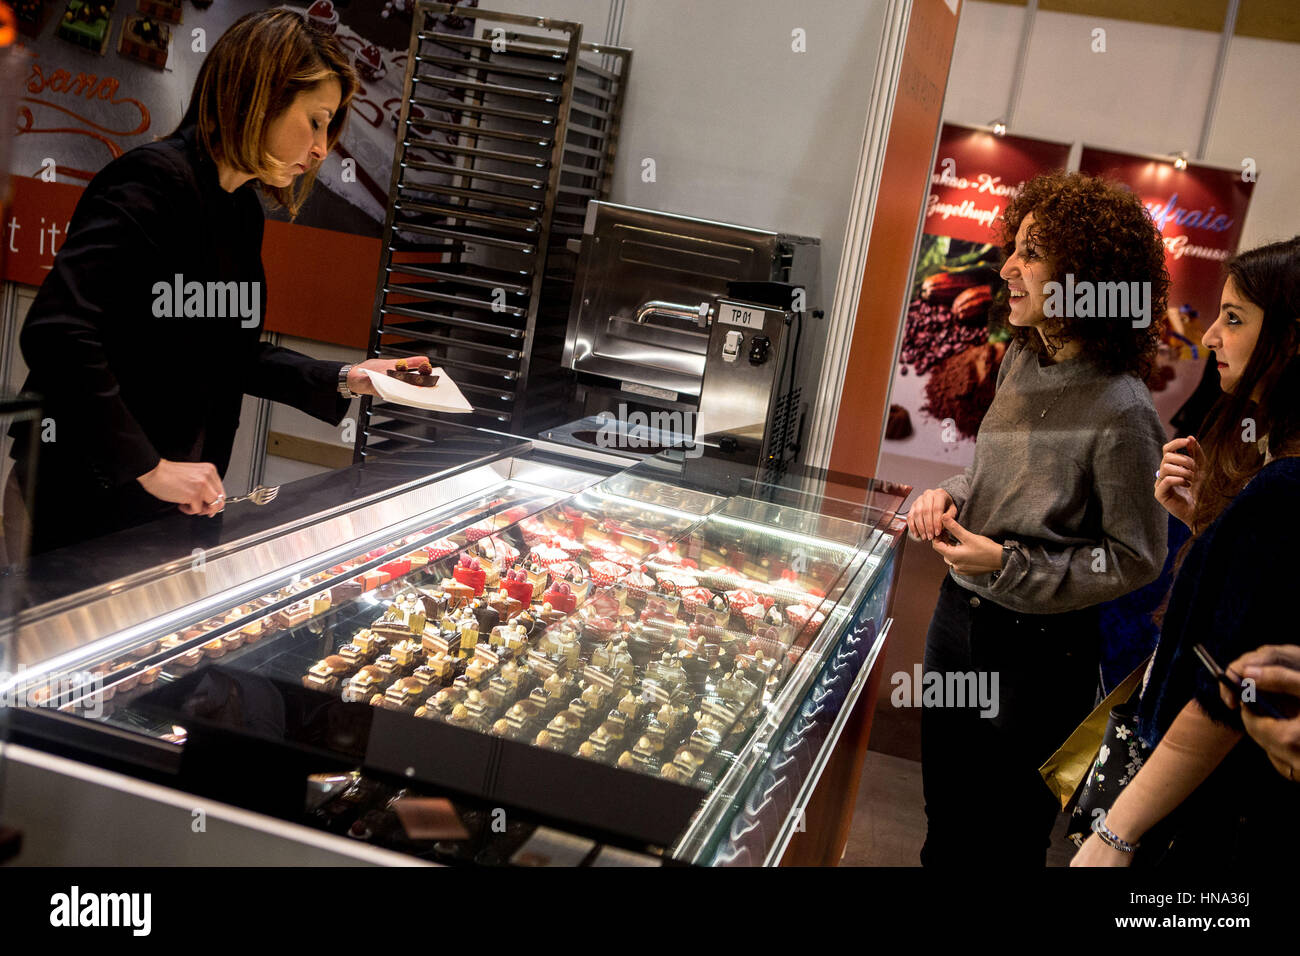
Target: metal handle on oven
<point>701,315</point>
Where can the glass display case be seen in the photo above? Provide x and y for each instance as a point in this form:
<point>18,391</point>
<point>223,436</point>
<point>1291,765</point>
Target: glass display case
<point>545,640</point>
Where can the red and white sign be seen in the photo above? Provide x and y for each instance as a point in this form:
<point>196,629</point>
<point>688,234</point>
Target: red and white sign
<point>976,174</point>
<point>1199,211</point>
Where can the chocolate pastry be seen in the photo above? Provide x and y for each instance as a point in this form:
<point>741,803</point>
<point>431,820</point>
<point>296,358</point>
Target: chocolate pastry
<point>899,425</point>
<point>421,375</point>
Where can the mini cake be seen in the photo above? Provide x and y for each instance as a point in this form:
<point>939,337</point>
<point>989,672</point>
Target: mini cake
<point>441,642</point>
<point>805,618</point>
<point>412,374</point>
<point>528,621</point>
<point>695,599</point>
<point>387,667</point>
<point>146,40</point>
<point>215,649</point>
<point>512,637</point>
<point>347,591</point>
<point>458,594</point>
<point>355,655</point>
<point>460,716</point>
<point>469,573</point>
<point>674,582</point>
<point>441,548</point>
<point>322,17</point>
<point>395,569</point>
<point>364,684</point>
<point>373,579</point>
<point>293,615</point>
<point>517,586</point>
<point>605,573</point>
<point>407,653</point>
<point>638,584</point>
<point>442,667</point>
<point>326,674</point>
<point>547,555</point>
<point>683,766</point>
<point>404,694</point>
<point>537,576</point>
<point>485,614</point>
<point>434,603</point>
<point>371,642</point>
<point>87,24</point>
<point>560,597</point>
<point>427,677</point>
<point>506,606</point>
<point>125,682</point>
<point>561,643</point>
<point>660,611</point>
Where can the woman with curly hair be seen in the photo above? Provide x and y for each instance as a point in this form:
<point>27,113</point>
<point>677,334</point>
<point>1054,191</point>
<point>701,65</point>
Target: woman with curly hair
<point>144,393</point>
<point>1052,518</point>
<point>1205,796</point>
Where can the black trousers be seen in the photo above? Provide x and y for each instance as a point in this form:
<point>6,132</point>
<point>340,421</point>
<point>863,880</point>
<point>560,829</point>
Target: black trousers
<point>984,797</point>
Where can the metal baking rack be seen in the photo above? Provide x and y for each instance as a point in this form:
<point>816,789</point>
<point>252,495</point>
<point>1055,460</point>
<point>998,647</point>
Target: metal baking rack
<point>505,136</point>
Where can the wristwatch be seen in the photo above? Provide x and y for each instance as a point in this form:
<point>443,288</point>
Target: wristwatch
<point>343,382</point>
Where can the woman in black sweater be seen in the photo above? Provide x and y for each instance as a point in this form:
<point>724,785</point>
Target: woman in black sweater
<point>146,334</point>
<point>1205,796</point>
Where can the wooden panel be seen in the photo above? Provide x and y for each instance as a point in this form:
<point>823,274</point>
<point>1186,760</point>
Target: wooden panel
<point>1189,14</point>
<point>296,448</point>
<point>1269,20</point>
<point>886,277</point>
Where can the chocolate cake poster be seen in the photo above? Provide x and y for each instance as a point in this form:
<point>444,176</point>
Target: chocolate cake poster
<point>954,335</point>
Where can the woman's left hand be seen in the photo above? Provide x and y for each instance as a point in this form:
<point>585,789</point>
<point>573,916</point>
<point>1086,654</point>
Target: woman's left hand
<point>1095,852</point>
<point>359,381</point>
<point>972,554</point>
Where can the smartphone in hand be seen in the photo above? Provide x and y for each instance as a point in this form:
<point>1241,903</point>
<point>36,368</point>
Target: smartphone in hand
<point>1263,704</point>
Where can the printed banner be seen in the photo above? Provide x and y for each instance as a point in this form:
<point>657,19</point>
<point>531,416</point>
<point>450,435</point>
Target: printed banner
<point>949,357</point>
<point>1200,211</point>
<point>97,86</point>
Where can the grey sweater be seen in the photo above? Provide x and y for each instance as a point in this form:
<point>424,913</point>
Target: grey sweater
<point>1069,490</point>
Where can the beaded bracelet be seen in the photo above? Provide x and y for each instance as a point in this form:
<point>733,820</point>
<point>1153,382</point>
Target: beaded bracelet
<point>1109,838</point>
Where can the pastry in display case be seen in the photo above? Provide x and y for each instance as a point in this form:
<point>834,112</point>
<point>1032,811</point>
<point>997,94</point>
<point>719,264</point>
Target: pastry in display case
<point>579,646</point>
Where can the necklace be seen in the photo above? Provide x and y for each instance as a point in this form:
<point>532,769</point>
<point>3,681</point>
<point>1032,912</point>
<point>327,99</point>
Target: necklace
<point>1043,413</point>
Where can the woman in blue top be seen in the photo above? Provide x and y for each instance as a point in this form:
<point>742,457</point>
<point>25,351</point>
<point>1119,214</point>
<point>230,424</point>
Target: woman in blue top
<point>1205,796</point>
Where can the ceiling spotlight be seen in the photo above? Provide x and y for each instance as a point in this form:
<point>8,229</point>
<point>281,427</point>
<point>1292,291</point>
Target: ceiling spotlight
<point>1180,160</point>
<point>999,128</point>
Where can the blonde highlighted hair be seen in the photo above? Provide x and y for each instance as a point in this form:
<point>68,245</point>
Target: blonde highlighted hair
<point>252,74</point>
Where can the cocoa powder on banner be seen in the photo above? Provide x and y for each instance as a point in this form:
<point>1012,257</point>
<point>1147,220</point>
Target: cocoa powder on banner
<point>961,387</point>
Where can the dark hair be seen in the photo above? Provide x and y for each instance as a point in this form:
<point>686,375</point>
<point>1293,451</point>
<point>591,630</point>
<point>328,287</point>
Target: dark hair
<point>1097,231</point>
<point>250,76</point>
<point>1270,278</point>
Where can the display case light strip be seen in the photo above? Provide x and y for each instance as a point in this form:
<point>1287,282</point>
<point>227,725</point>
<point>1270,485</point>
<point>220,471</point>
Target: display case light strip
<point>645,505</point>
<point>794,536</point>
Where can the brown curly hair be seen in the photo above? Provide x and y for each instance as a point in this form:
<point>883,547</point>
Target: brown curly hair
<point>1097,231</point>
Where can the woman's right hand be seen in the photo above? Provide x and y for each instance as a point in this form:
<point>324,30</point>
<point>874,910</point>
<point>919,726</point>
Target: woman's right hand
<point>193,485</point>
<point>1176,477</point>
<point>925,519</point>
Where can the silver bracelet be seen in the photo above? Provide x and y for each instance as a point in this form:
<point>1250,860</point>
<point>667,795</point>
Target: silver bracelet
<point>1109,838</point>
<point>343,382</point>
